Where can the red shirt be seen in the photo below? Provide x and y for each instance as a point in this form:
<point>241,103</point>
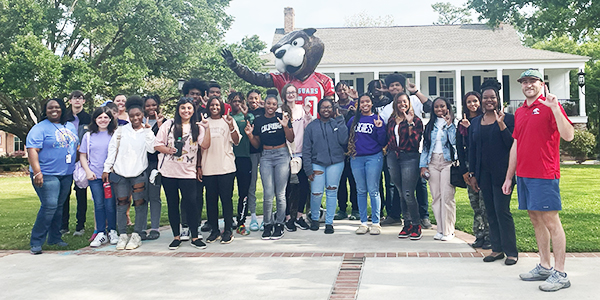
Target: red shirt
<point>538,141</point>
<point>316,87</point>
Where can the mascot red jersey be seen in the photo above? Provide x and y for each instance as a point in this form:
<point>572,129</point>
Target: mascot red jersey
<point>297,55</point>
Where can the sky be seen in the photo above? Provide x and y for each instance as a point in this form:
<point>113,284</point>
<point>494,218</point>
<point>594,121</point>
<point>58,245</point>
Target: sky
<point>261,17</point>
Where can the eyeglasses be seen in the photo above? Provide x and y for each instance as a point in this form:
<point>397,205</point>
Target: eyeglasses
<point>291,93</point>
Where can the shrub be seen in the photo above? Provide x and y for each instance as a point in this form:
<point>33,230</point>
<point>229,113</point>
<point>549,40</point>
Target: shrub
<point>581,146</point>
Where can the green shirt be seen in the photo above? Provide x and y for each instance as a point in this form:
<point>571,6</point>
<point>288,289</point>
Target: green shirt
<point>243,148</point>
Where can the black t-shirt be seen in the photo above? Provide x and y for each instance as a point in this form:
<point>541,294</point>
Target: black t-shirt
<point>270,130</point>
<point>257,112</point>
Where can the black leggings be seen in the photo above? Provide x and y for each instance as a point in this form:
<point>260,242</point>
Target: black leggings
<point>172,186</point>
<point>296,195</point>
<point>243,174</point>
<point>219,186</point>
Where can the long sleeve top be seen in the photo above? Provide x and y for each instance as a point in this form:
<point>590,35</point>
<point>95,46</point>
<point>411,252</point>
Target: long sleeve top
<point>368,139</point>
<point>324,143</point>
<point>399,140</point>
<point>131,158</point>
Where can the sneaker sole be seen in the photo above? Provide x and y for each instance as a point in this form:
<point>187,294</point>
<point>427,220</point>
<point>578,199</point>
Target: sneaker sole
<point>416,238</point>
<point>403,236</point>
<point>227,242</point>
<point>173,248</point>
<point>276,237</point>
<point>567,285</point>
<point>199,247</point>
<point>266,238</point>
<point>289,230</point>
<point>534,278</point>
<point>131,248</point>
<point>212,241</point>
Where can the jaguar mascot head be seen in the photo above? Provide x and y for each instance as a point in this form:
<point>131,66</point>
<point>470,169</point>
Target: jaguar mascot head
<point>298,53</point>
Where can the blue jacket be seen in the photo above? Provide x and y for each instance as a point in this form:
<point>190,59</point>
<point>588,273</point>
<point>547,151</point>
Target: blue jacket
<point>449,133</point>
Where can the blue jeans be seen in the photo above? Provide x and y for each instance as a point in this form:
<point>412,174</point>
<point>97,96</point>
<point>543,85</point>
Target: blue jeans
<point>274,173</point>
<point>404,171</point>
<point>105,209</point>
<point>328,180</point>
<point>367,173</point>
<point>52,195</point>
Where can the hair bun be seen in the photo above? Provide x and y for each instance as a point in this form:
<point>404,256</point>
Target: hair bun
<point>272,92</point>
<point>491,83</point>
<point>134,100</point>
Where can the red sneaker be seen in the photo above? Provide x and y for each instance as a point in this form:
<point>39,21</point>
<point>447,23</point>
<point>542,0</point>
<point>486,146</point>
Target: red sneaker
<point>415,234</point>
<point>406,230</point>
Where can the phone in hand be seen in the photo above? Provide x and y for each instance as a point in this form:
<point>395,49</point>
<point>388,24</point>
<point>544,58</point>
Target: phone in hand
<point>179,147</point>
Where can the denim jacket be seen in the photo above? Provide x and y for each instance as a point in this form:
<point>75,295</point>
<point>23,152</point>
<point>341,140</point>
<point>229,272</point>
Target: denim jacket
<point>450,133</point>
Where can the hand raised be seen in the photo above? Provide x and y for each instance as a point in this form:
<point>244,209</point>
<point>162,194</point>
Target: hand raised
<point>551,99</point>
<point>307,107</point>
<point>411,87</point>
<point>284,120</point>
<point>409,116</point>
<point>226,54</point>
<point>352,93</point>
<point>244,108</point>
<point>203,122</point>
<point>229,120</point>
<point>465,122</point>
<point>378,122</point>
<point>147,125</point>
<point>249,128</point>
<point>500,114</point>
<point>448,118</point>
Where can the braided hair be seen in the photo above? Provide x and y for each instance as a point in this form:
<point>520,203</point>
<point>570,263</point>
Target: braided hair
<point>352,135</point>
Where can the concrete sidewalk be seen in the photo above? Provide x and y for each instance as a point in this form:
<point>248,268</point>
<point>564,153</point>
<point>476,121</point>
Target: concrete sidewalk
<point>302,265</point>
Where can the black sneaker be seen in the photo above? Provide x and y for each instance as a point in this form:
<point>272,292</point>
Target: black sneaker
<point>328,229</point>
<point>277,232</point>
<point>215,235</point>
<point>153,235</point>
<point>416,233</point>
<point>206,227</point>
<point>290,226</point>
<point>405,232</point>
<point>234,224</point>
<point>314,225</point>
<point>267,232</point>
<point>227,237</point>
<point>478,243</point>
<point>301,223</point>
<point>143,235</point>
<point>199,244</point>
<point>174,245</point>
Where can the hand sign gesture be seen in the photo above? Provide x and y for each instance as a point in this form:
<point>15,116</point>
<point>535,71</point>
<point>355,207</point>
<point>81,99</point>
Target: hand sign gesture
<point>284,121</point>
<point>411,87</point>
<point>465,122</point>
<point>147,125</point>
<point>203,122</point>
<point>249,128</point>
<point>551,99</point>
<point>352,93</point>
<point>500,114</point>
<point>378,122</point>
<point>307,107</point>
<point>409,116</point>
<point>448,118</point>
<point>229,120</point>
<point>244,108</point>
<point>204,98</point>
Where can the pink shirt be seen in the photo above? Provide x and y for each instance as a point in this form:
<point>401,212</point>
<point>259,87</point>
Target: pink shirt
<point>178,167</point>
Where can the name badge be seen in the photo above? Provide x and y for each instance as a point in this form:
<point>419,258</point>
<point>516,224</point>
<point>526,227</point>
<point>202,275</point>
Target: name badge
<point>68,158</point>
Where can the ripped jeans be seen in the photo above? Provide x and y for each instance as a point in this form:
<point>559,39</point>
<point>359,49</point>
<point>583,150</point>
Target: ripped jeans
<point>328,179</point>
<point>405,172</point>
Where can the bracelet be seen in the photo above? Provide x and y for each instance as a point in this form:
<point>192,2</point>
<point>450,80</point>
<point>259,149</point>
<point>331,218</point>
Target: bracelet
<point>415,92</point>
<point>38,173</point>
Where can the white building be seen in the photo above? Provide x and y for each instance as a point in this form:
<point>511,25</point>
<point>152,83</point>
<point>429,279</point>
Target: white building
<point>443,60</point>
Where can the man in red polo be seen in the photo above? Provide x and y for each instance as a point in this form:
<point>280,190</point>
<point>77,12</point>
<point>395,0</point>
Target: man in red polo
<point>539,125</point>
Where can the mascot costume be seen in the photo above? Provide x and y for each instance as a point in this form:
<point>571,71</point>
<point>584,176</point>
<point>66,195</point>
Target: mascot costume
<point>297,55</point>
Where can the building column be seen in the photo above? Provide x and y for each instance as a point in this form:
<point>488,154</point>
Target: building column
<point>336,78</point>
<point>457,93</point>
<point>375,75</point>
<point>582,96</point>
<point>418,81</point>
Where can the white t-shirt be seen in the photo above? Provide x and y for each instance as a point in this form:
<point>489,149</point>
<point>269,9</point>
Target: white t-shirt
<point>437,146</point>
<point>386,111</point>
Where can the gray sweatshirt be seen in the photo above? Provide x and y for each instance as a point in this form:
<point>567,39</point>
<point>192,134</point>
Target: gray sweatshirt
<point>324,143</point>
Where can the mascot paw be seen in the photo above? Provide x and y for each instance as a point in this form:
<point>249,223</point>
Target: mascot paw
<point>228,57</point>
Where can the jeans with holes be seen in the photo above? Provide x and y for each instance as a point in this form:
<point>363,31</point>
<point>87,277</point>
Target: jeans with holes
<point>274,173</point>
<point>367,173</point>
<point>328,180</point>
<point>105,209</point>
<point>52,194</point>
<point>404,171</point>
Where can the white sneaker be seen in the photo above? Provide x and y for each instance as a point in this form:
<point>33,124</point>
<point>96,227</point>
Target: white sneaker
<point>438,236</point>
<point>185,234</point>
<point>134,242</point>
<point>99,240</point>
<point>113,237</point>
<point>123,239</point>
<point>448,237</point>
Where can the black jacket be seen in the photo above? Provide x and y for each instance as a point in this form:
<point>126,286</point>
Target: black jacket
<point>499,142</point>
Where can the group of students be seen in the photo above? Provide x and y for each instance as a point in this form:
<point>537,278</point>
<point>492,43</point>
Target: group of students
<point>209,144</point>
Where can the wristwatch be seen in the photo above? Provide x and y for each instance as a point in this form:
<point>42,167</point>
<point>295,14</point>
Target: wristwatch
<point>411,124</point>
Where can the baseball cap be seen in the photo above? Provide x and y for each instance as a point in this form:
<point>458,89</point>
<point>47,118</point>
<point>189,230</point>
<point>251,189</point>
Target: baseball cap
<point>531,73</point>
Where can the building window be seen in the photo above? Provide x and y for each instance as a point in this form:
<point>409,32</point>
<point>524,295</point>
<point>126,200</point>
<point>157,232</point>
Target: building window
<point>18,144</point>
<point>447,88</point>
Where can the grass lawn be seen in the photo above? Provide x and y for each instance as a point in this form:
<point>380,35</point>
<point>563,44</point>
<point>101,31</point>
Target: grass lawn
<point>580,190</point>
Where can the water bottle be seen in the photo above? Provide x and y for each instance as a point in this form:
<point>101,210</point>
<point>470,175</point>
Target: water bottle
<point>107,190</point>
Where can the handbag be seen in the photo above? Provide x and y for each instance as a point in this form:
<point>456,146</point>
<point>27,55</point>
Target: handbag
<point>456,176</point>
<point>79,174</point>
<point>295,162</point>
<point>155,173</point>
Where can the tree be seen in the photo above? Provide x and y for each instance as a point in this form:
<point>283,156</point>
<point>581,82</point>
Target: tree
<point>49,48</point>
<point>363,19</point>
<point>543,19</point>
<point>450,14</point>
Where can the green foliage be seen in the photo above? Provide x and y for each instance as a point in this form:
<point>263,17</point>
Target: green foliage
<point>49,48</point>
<point>581,147</point>
<point>450,14</point>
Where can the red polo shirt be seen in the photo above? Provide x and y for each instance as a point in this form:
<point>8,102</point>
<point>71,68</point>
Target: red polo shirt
<point>316,87</point>
<point>538,141</point>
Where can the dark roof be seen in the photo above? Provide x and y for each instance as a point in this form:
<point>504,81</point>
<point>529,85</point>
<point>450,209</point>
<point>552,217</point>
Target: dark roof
<point>425,44</point>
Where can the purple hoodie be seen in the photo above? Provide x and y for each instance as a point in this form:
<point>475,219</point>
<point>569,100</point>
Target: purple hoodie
<point>369,139</point>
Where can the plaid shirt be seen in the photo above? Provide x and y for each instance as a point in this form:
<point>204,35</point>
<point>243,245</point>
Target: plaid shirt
<point>407,143</point>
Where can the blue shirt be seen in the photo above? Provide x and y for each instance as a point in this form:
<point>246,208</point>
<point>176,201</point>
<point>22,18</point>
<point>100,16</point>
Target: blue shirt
<point>55,142</point>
